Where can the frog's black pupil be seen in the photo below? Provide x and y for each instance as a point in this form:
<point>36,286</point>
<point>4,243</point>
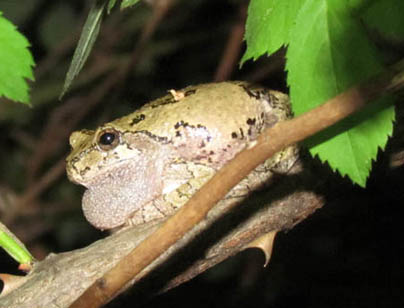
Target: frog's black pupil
<point>107,138</point>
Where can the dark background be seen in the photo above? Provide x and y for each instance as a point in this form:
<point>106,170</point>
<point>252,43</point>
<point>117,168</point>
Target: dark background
<point>348,254</point>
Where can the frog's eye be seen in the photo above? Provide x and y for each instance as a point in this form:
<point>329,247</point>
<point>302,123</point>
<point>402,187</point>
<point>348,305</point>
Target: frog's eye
<point>108,139</point>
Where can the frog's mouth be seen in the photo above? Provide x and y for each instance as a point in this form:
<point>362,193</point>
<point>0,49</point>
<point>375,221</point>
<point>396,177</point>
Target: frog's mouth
<point>89,177</point>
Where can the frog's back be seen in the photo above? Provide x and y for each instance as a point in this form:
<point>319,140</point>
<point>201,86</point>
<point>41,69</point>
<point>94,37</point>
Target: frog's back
<point>209,123</point>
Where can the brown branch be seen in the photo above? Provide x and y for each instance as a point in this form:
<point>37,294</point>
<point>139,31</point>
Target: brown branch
<point>271,141</point>
<point>53,282</point>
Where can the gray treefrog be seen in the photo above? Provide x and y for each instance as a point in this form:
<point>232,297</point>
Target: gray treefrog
<point>147,164</point>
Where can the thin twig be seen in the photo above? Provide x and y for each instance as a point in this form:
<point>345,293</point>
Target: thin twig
<point>233,47</point>
<point>44,182</point>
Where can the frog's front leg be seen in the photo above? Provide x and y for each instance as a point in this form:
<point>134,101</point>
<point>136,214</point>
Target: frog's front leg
<point>283,161</point>
<point>181,181</point>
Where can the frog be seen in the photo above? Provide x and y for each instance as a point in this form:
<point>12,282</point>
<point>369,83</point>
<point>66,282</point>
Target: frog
<point>146,165</point>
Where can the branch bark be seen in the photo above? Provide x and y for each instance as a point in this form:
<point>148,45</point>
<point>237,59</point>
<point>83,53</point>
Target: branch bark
<point>59,279</point>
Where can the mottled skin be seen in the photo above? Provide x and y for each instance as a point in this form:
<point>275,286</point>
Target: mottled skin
<point>147,164</point>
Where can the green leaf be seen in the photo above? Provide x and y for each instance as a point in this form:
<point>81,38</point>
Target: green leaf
<point>387,17</point>
<point>127,3</point>
<point>16,63</point>
<point>268,26</point>
<point>328,53</point>
<point>86,42</point>
<point>111,4</point>
<point>16,251</point>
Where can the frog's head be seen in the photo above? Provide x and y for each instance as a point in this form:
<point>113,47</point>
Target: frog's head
<point>121,171</point>
<point>96,152</point>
